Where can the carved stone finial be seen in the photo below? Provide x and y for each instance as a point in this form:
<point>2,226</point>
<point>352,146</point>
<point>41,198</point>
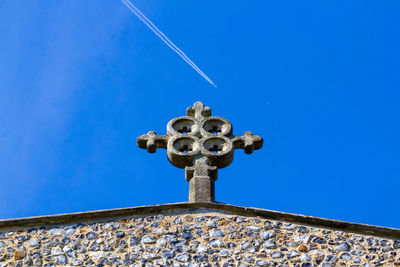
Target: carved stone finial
<point>198,111</point>
<point>200,144</point>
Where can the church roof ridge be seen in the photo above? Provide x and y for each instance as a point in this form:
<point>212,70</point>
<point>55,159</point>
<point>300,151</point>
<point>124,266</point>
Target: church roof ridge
<point>187,208</point>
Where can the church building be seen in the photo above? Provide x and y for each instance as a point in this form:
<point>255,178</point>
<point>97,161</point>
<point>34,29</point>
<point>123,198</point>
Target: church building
<point>200,232</point>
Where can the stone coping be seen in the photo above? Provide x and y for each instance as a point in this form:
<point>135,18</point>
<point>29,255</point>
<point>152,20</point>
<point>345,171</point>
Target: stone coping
<point>187,208</point>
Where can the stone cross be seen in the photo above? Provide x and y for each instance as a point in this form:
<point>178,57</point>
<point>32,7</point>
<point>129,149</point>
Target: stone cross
<point>201,144</point>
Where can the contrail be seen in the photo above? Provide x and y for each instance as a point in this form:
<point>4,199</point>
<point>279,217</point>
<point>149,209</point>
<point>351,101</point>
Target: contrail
<point>164,38</point>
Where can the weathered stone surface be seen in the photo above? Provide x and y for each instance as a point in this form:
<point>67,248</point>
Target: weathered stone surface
<point>173,240</point>
<point>201,144</point>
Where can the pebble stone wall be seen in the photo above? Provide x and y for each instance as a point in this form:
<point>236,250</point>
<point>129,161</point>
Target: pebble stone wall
<point>195,240</point>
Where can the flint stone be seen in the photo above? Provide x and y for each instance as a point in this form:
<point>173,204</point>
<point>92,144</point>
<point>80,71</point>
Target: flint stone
<point>216,243</point>
<point>216,232</point>
<point>267,235</point>
<point>261,263</point>
<point>270,244</point>
<point>292,254</point>
<point>344,246</point>
<point>55,231</point>
<point>254,228</point>
<point>62,260</point>
<point>167,254</point>
<point>69,230</point>
<point>200,248</point>
<point>183,257</point>
<point>225,253</point>
<point>91,235</point>
<point>200,257</point>
<point>147,239</point>
<point>304,257</point>
<point>187,235</point>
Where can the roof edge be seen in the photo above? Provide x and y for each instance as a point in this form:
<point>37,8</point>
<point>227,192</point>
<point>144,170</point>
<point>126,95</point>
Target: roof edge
<point>244,211</point>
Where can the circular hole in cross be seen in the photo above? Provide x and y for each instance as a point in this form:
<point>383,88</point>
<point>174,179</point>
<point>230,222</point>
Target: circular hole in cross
<point>214,129</point>
<point>185,130</point>
<point>215,149</point>
<point>186,148</point>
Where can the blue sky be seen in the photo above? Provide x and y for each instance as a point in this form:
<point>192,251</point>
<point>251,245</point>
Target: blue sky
<point>318,80</point>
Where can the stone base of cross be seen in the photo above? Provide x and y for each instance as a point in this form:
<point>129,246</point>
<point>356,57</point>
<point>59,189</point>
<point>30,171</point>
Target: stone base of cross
<point>201,144</point>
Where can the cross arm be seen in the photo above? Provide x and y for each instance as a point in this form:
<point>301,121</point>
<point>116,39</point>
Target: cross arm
<point>151,141</point>
<point>248,142</point>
